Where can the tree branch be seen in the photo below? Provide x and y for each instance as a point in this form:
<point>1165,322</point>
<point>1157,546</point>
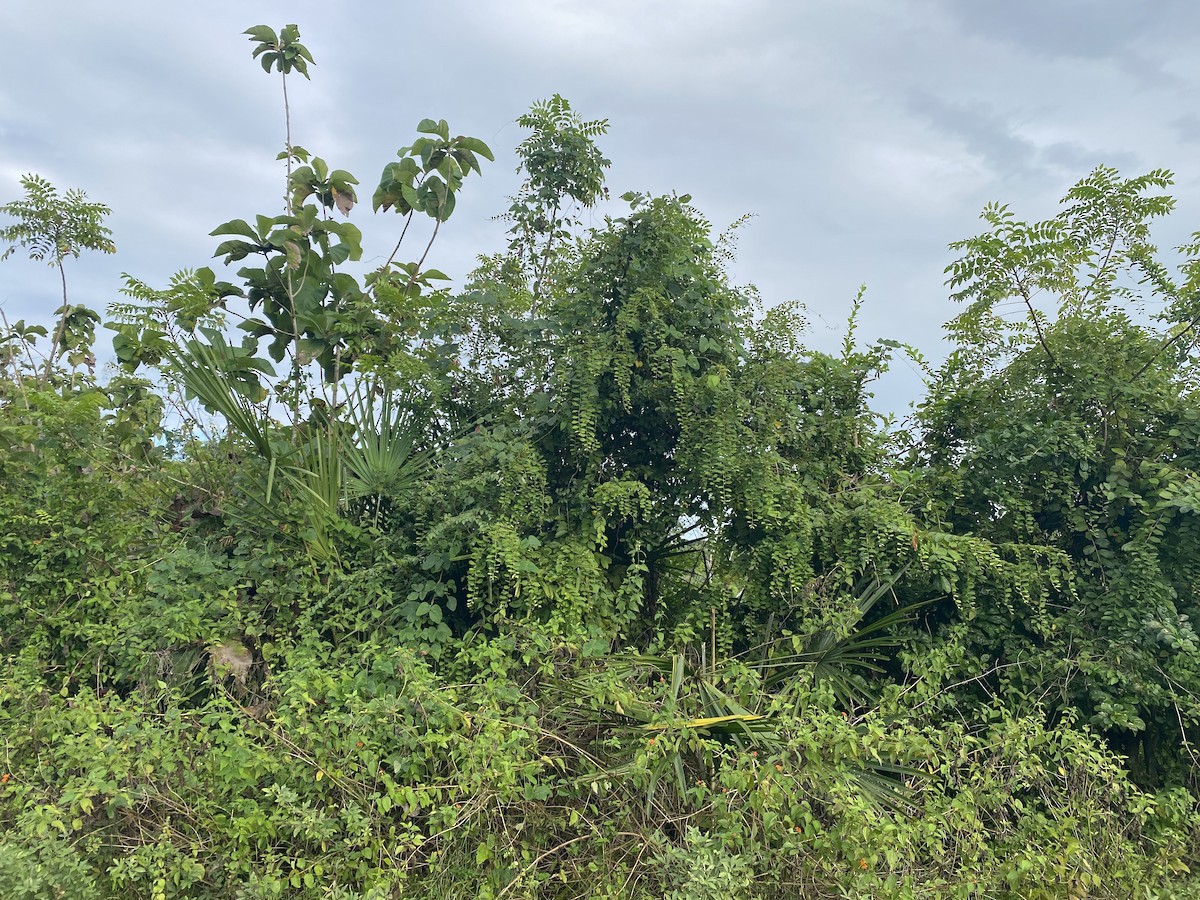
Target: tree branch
<point>1166,345</point>
<point>1024,291</point>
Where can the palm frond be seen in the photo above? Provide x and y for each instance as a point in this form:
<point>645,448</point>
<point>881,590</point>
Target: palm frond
<point>204,371</point>
<point>839,661</point>
<point>380,455</point>
<point>738,723</point>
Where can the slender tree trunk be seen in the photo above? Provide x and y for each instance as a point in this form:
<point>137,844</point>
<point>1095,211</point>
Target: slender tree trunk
<point>287,142</point>
<point>52,358</point>
<point>287,208</point>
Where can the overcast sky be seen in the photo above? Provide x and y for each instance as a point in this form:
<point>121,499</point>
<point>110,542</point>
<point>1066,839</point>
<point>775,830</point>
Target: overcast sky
<point>862,135</point>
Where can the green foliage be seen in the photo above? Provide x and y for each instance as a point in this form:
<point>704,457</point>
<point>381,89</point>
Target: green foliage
<point>560,158</point>
<point>592,579</point>
<point>562,167</point>
<point>703,869</point>
<point>378,776</point>
<point>282,51</point>
<point>430,172</point>
<point>47,868</point>
<point>73,507</point>
<point>1074,431</point>
<point>51,228</point>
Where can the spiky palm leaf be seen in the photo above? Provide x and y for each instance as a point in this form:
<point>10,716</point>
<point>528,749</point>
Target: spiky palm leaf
<point>220,377</point>
<point>381,456</point>
<point>205,371</point>
<point>838,660</point>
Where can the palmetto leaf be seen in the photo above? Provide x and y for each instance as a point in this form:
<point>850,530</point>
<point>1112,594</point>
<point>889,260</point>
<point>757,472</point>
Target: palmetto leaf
<point>693,700</point>
<point>720,713</point>
<point>381,456</point>
<point>313,475</point>
<point>884,784</point>
<point>740,723</point>
<point>205,370</point>
<point>312,471</point>
<point>837,660</point>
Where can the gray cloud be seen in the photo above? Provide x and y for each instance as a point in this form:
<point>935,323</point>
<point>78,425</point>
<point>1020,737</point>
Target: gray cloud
<point>1070,156</point>
<point>1187,127</point>
<point>1088,29</point>
<point>982,131</point>
<point>996,140</point>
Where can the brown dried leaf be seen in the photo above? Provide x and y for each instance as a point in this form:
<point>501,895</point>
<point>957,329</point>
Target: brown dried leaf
<point>344,202</point>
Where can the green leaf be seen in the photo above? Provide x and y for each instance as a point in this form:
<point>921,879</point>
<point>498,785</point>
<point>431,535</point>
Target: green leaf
<point>262,33</point>
<point>235,226</point>
<point>467,161</point>
<point>235,250</point>
<point>307,350</point>
<point>350,236</point>
<point>383,199</point>
<point>256,327</point>
<point>474,145</point>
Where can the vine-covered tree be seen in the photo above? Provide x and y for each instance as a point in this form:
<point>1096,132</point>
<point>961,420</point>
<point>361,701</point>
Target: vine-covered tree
<point>1072,430</point>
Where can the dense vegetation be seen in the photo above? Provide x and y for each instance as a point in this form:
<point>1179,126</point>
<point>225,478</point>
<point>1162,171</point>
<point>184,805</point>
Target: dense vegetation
<point>591,580</point>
